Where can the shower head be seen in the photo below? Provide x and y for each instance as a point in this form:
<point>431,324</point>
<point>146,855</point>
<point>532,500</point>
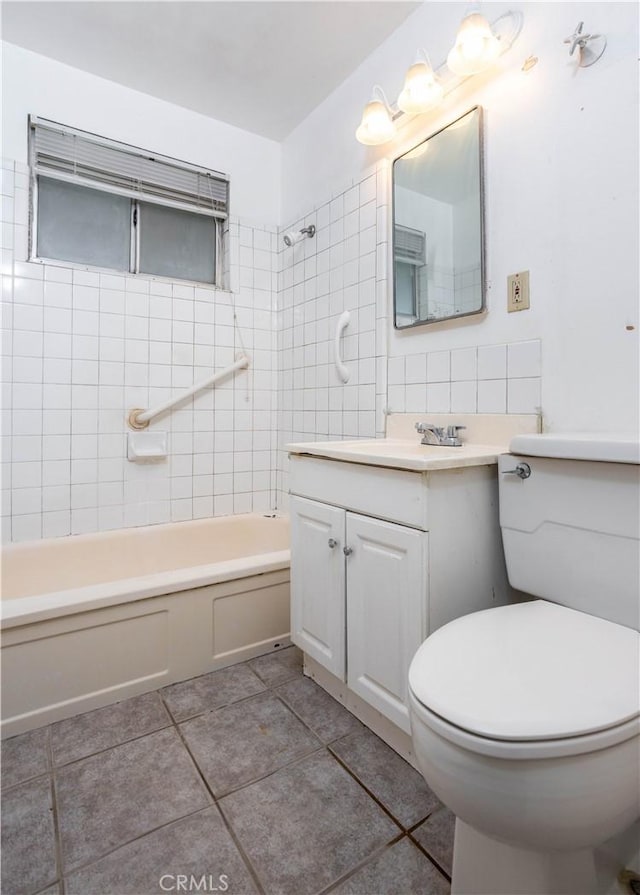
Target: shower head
<point>291,237</point>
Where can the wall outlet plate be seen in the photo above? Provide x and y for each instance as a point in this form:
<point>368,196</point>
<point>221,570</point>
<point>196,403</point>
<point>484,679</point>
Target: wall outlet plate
<point>518,291</point>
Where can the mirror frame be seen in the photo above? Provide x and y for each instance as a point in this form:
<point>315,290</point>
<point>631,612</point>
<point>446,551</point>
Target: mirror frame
<point>483,267</point>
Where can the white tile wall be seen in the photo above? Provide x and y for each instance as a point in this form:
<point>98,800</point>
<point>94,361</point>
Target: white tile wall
<point>342,268</point>
<point>468,380</point>
<point>80,348</point>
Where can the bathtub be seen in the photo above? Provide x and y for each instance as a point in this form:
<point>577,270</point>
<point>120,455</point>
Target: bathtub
<point>92,619</point>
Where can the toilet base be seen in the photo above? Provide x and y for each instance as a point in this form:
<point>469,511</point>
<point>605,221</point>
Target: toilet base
<point>484,866</point>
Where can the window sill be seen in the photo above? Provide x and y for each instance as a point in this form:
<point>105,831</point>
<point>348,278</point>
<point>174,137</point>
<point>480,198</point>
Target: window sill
<point>124,275</point>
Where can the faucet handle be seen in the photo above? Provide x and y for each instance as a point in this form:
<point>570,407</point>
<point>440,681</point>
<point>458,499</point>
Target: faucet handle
<point>422,428</point>
<point>452,431</point>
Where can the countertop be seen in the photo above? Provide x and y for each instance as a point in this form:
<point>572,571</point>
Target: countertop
<point>401,454</point>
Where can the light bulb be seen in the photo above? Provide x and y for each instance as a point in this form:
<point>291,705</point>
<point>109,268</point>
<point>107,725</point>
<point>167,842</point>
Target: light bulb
<point>476,46</point>
<point>376,126</point>
<point>421,89</point>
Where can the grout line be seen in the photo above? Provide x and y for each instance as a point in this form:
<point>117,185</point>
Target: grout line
<point>294,761</point>
<point>215,708</point>
<point>12,786</point>
<point>424,851</point>
<point>366,789</point>
<point>225,820</point>
<point>240,848</point>
<point>140,736</point>
<point>363,863</point>
<point>97,858</point>
<point>56,820</point>
<point>299,718</point>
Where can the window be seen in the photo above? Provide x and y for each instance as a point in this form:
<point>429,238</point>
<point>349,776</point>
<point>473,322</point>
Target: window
<point>104,204</point>
<point>410,257</point>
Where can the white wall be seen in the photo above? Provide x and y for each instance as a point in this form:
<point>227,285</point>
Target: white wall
<point>36,85</point>
<point>561,197</point>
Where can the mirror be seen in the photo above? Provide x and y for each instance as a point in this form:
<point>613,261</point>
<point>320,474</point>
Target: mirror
<point>438,239</point>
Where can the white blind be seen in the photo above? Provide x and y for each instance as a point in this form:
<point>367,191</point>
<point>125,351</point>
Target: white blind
<point>67,154</point>
<point>410,245</point>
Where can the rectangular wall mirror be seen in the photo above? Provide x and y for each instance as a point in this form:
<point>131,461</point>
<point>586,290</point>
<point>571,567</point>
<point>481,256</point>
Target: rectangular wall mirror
<point>438,231</point>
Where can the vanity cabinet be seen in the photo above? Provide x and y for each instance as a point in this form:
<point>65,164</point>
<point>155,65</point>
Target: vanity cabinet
<point>358,599</point>
<point>318,566</point>
<point>380,558</point>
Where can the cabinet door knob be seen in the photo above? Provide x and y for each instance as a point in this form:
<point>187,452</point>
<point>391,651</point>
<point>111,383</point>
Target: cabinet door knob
<point>332,543</point>
<point>347,551</point>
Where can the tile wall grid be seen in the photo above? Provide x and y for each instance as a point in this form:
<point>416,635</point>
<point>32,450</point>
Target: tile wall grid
<point>483,379</point>
<point>80,348</point>
<point>343,267</point>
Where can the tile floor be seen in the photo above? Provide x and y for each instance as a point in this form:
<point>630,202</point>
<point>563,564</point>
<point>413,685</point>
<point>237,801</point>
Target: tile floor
<point>251,776</point>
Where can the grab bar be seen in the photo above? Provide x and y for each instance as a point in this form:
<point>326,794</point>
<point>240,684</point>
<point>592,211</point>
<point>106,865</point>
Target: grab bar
<point>343,372</point>
<point>140,419</point>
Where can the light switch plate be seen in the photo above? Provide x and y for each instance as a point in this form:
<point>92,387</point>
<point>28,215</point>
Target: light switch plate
<point>518,291</point>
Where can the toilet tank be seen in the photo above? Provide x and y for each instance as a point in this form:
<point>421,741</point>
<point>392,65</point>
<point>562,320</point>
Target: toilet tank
<point>571,527</point>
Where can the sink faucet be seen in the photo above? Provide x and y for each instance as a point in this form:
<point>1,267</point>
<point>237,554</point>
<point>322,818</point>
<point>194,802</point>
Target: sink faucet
<point>437,435</point>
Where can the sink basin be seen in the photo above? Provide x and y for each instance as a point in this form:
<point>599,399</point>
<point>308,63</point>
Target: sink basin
<point>401,454</point>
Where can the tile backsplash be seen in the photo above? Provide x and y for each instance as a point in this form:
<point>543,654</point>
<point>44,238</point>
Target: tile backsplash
<point>484,379</point>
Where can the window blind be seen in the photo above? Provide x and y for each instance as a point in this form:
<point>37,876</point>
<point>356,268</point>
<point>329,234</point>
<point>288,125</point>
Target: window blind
<point>66,154</point>
<point>410,245</point>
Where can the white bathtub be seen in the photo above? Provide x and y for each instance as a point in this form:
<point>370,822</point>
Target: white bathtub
<point>93,619</point>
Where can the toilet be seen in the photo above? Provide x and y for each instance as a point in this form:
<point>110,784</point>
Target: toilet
<point>526,718</point>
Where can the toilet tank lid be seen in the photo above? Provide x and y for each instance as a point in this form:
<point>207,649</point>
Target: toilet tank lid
<point>529,672</point>
<point>598,446</point>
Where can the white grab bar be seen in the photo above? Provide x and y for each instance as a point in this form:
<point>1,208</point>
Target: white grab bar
<point>140,419</point>
<point>343,372</point>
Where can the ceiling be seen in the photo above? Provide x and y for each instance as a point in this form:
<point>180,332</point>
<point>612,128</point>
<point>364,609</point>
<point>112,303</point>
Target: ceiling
<point>262,65</point>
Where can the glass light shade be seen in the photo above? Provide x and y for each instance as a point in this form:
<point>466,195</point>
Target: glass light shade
<point>421,90</point>
<point>376,126</point>
<point>476,46</point>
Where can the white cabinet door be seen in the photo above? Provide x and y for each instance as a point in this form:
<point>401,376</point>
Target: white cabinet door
<point>317,582</point>
<point>386,611</point>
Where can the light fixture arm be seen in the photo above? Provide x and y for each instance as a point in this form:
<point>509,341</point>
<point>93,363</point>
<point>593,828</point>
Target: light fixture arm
<point>423,56</point>
<point>379,93</point>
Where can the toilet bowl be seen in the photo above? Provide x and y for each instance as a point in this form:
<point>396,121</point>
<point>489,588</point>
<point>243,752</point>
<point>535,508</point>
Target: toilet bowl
<point>525,722</point>
<point>525,718</point>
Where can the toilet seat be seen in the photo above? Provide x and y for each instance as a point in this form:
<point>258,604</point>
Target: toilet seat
<point>531,750</point>
<point>529,680</point>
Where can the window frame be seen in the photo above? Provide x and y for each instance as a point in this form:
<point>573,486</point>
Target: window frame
<point>221,224</point>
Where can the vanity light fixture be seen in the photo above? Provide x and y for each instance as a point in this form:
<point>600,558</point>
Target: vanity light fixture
<point>476,47</point>
<point>478,44</point>
<point>377,125</point>
<point>422,90</point>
